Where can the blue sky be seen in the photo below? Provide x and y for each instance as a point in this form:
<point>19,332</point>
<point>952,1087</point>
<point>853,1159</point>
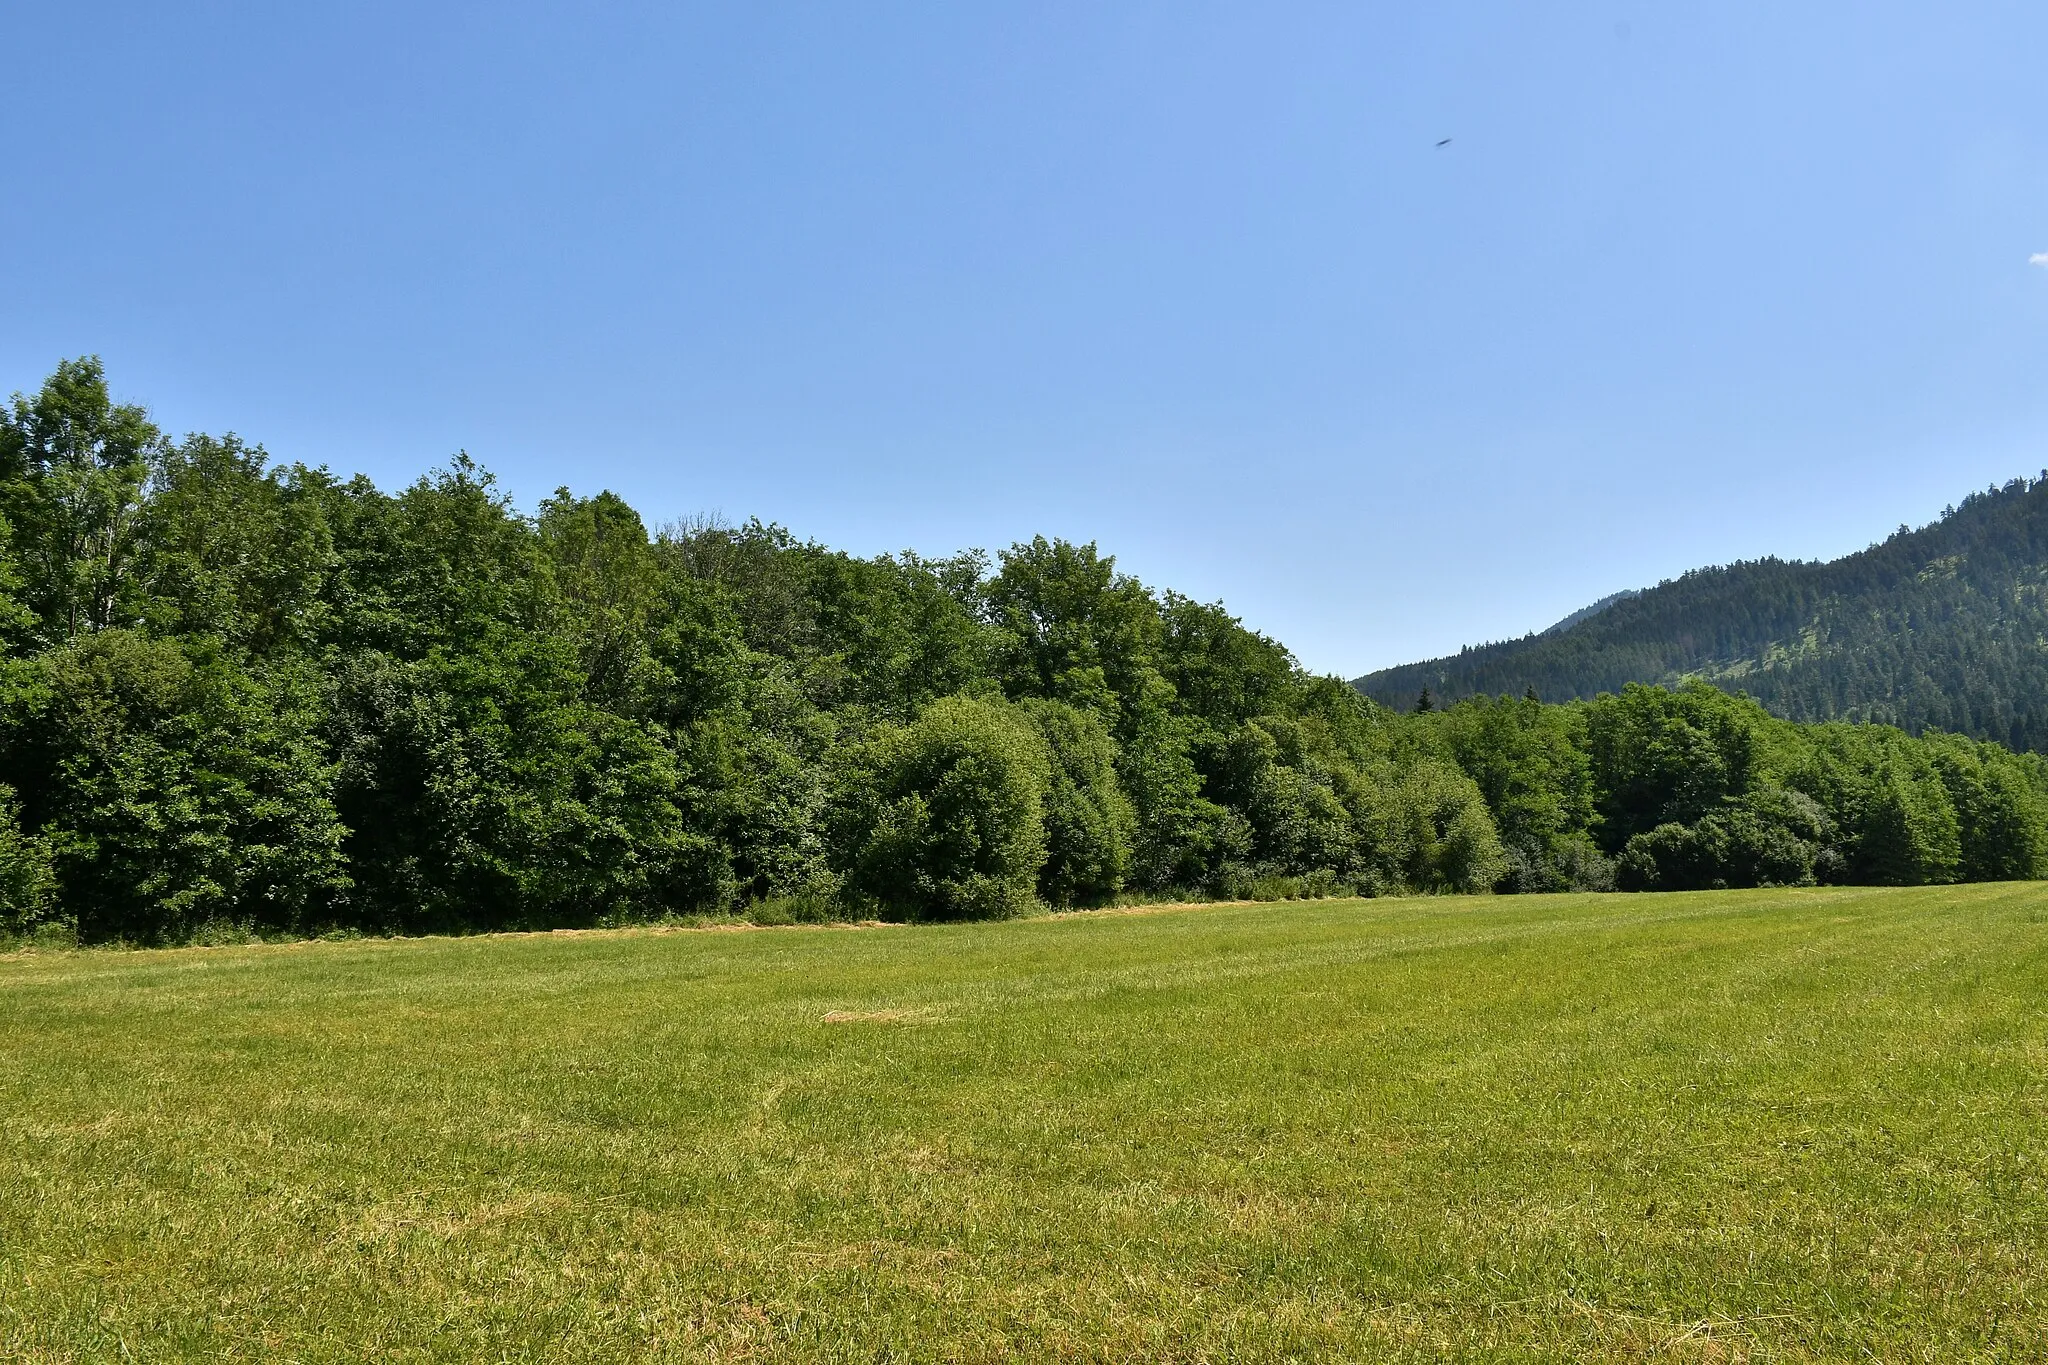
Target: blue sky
<point>1192,281</point>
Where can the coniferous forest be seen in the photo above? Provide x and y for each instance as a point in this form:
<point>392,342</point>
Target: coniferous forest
<point>1937,628</point>
<point>235,692</point>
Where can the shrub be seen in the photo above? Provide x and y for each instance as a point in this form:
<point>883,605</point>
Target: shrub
<point>1435,833</point>
<point>1571,862</point>
<point>1770,837</point>
<point>944,818</point>
<point>1089,822</point>
<point>26,884</point>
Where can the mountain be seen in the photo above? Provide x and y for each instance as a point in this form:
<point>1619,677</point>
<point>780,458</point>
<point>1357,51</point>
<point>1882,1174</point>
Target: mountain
<point>1594,610</point>
<point>1945,627</point>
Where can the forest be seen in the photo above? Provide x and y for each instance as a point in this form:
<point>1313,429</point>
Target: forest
<point>1939,628</point>
<point>239,692</point>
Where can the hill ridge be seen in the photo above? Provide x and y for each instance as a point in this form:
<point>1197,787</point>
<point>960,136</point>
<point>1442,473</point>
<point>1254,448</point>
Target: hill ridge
<point>1940,627</point>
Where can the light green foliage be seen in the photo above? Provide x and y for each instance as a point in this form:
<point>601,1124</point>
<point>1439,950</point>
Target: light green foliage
<point>1437,834</point>
<point>225,547</point>
<point>2001,811</point>
<point>1661,757</point>
<point>1531,764</point>
<point>944,817</point>
<point>1785,1126</point>
<point>72,467</point>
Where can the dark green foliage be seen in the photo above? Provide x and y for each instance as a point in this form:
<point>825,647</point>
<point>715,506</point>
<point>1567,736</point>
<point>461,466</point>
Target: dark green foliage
<point>487,793</point>
<point>26,882</point>
<point>944,818</point>
<point>1184,839</point>
<point>15,617</point>
<point>1266,771</point>
<point>1909,834</point>
<point>1070,628</point>
<point>1660,757</point>
<point>1089,822</point>
<point>1768,837</point>
<point>172,787</point>
<point>885,635</point>
<point>1220,671</point>
<point>242,698</point>
<point>1939,628</point>
<point>228,548</point>
<point>1898,822</point>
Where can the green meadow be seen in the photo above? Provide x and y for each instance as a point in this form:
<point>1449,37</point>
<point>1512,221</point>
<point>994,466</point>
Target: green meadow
<point>1749,1125</point>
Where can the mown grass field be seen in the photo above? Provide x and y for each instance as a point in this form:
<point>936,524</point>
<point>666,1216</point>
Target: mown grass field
<point>1788,1125</point>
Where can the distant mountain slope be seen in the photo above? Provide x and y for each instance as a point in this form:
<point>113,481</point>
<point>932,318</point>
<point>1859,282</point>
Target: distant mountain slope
<point>1944,627</point>
<point>1594,610</point>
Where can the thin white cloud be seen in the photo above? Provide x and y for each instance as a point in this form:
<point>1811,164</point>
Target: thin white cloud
<point>2038,258</point>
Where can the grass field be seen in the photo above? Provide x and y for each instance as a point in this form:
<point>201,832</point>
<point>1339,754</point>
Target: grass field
<point>1786,1125</point>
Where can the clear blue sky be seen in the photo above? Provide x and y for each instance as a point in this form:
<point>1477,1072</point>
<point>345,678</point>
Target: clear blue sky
<point>1192,281</point>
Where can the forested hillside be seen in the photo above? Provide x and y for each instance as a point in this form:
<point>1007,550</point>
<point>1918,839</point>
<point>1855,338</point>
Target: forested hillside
<point>236,692</point>
<point>1941,628</point>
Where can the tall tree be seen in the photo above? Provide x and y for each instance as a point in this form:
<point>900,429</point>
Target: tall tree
<point>73,464</point>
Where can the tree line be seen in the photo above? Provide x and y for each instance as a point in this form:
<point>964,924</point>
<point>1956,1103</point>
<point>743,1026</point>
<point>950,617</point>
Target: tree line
<point>239,692</point>
<point>1935,628</point>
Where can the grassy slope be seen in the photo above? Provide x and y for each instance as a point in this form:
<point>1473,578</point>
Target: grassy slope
<point>1765,1125</point>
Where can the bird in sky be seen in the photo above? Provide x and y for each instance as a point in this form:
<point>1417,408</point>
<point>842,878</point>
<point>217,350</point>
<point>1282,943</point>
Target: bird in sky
<point>1445,143</point>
